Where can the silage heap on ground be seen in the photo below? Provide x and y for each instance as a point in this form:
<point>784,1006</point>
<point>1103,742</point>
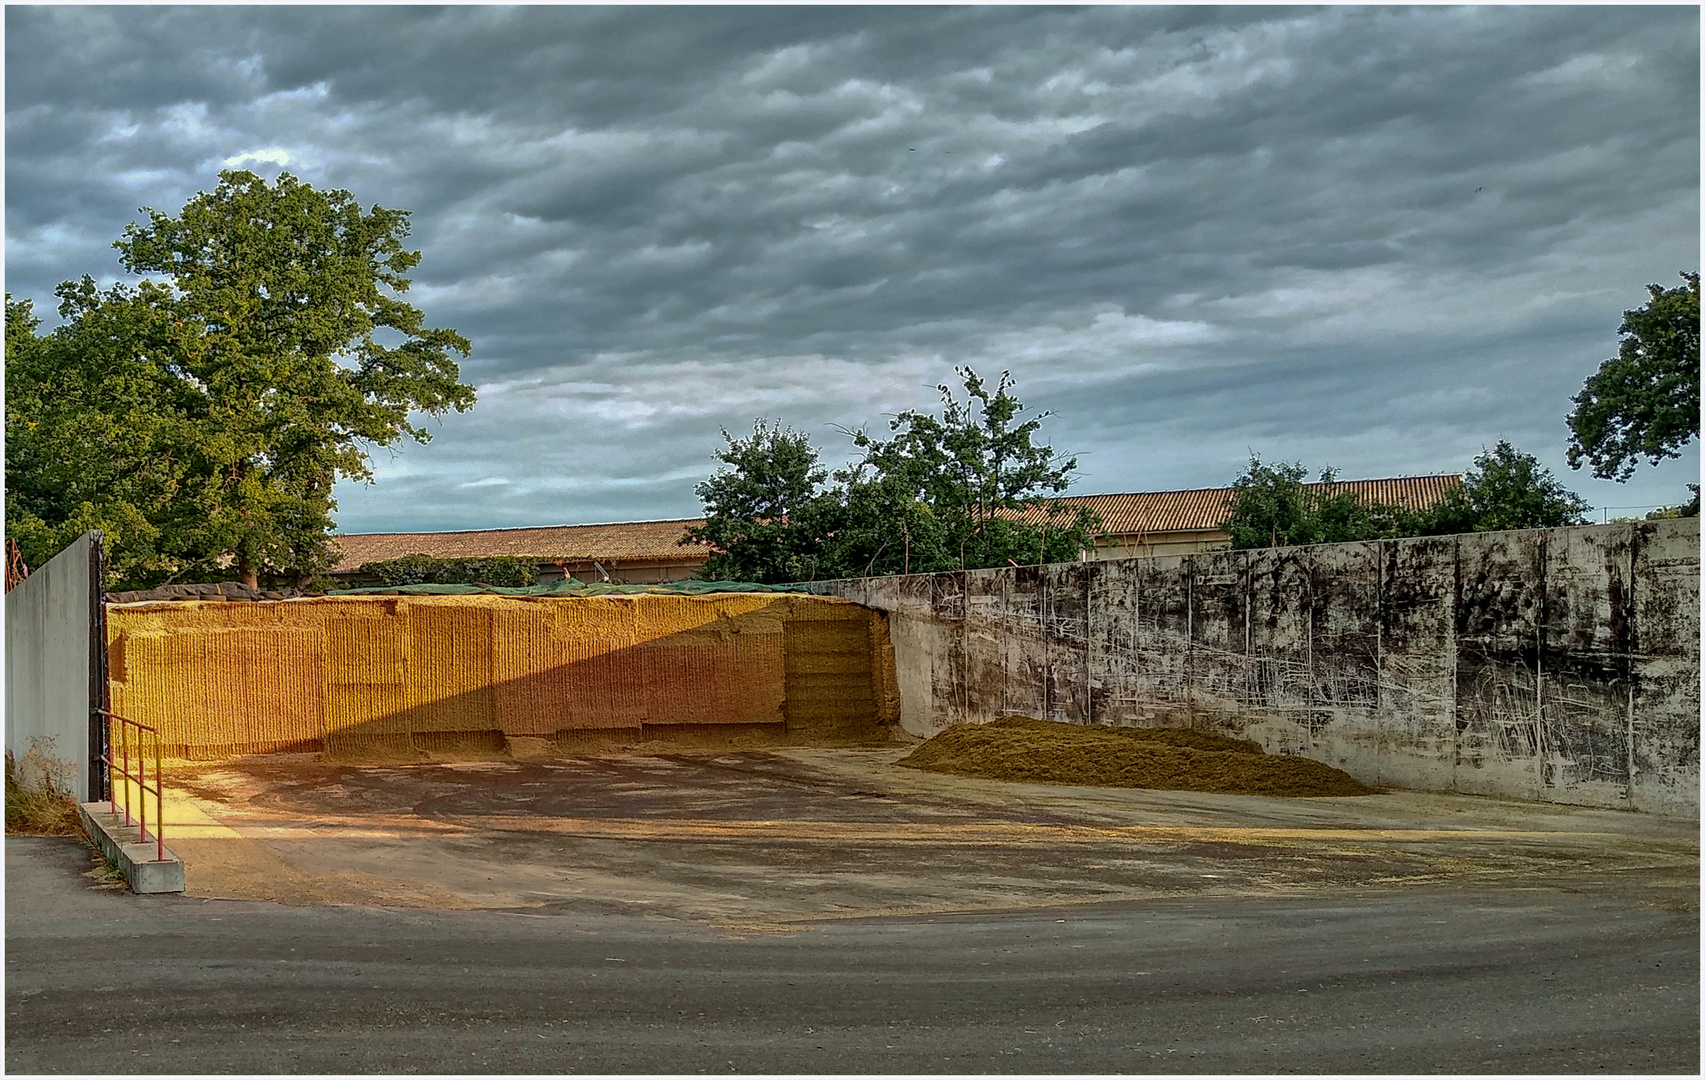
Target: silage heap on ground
<point>1172,759</point>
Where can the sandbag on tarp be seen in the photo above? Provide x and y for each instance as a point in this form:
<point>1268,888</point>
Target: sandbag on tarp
<point>572,587</point>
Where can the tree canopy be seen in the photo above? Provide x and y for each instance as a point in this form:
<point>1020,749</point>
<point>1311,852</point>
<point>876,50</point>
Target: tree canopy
<point>762,512</point>
<point>1644,402</point>
<point>1276,505</point>
<point>1507,489</point>
<point>420,569</point>
<point>970,487</point>
<point>264,357</point>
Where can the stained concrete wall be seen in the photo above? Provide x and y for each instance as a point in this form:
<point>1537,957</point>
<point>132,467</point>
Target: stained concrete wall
<point>1558,665</point>
<point>48,640</point>
<point>376,672</point>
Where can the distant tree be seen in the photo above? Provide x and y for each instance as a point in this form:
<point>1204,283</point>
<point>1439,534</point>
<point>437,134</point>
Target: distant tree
<point>1507,489</point>
<point>967,489</point>
<point>421,569</point>
<point>269,356</point>
<point>763,513</point>
<point>1277,506</point>
<point>1688,509</point>
<point>1645,401</point>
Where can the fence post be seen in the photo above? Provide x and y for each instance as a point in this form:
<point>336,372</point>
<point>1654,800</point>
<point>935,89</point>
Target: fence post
<point>100,782</point>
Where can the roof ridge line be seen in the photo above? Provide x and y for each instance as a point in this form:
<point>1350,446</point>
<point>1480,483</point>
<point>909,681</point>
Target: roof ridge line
<point>521,528</point>
<point>1228,487</point>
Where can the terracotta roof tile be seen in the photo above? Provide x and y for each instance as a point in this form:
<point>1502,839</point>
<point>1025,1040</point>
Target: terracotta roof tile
<point>621,541</point>
<point>1132,512</point>
<point>1137,512</point>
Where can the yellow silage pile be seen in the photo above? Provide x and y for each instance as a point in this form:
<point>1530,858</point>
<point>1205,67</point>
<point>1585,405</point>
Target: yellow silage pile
<point>246,677</point>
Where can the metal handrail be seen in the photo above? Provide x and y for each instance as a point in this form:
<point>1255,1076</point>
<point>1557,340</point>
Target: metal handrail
<point>126,726</point>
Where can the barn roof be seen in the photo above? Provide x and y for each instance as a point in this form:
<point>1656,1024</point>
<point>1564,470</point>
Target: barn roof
<point>1130,512</point>
<point>1201,509</point>
<point>620,541</point>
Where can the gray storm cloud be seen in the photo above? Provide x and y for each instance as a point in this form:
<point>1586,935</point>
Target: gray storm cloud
<point>1372,238</point>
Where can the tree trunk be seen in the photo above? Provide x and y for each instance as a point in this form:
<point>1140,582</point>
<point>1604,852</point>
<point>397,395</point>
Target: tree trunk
<point>247,576</point>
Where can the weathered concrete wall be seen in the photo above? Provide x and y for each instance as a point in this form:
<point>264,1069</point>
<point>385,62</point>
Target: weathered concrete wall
<point>372,672</point>
<point>48,640</point>
<point>1559,665</point>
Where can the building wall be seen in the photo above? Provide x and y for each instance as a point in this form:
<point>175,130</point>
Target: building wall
<point>1148,545</point>
<point>48,639</point>
<point>1559,665</point>
<point>363,673</point>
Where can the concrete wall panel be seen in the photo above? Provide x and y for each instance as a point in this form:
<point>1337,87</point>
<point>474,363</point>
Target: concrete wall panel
<point>1560,665</point>
<point>47,669</point>
<point>1664,711</point>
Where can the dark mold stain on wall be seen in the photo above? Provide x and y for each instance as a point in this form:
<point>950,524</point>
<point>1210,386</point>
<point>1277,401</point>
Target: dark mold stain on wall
<point>1559,665</point>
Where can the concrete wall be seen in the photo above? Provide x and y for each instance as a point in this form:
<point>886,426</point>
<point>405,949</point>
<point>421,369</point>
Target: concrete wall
<point>376,672</point>
<point>1559,665</point>
<point>48,683</point>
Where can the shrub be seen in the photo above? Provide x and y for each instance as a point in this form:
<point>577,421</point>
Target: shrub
<point>506,570</point>
<point>40,802</point>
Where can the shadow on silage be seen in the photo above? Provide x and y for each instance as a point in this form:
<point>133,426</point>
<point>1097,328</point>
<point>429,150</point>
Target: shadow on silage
<point>1026,750</point>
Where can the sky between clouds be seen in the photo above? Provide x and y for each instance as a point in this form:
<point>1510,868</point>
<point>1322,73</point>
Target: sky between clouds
<point>1377,239</point>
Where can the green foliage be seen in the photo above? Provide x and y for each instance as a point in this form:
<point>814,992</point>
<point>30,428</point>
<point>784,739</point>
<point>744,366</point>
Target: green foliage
<point>510,571</point>
<point>1645,401</point>
<point>1688,509</point>
<point>100,434</point>
<point>969,488</point>
<point>202,419</point>
<point>1507,489</point>
<point>763,512</point>
<point>1277,506</point>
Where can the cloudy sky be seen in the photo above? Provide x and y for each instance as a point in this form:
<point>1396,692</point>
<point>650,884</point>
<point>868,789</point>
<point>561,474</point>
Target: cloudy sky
<point>1376,239</point>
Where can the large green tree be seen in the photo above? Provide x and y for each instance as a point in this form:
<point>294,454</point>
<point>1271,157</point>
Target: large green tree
<point>267,353</point>
<point>100,434</point>
<point>971,487</point>
<point>763,511</point>
<point>1644,402</point>
<point>1507,489</point>
<point>1278,506</point>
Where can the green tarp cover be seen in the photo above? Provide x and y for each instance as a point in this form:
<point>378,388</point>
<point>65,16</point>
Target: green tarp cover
<point>571,587</point>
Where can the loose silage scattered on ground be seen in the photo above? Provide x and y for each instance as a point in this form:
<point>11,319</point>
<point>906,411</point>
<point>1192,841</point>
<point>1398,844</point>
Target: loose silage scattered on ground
<point>1171,759</point>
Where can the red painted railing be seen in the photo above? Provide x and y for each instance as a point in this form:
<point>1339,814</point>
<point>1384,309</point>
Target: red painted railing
<point>118,768</point>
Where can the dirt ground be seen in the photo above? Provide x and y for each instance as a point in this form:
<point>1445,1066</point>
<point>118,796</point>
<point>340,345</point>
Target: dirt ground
<point>769,838</point>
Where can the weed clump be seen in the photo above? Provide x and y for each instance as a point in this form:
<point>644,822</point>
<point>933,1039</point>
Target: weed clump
<point>1169,759</point>
<point>39,805</point>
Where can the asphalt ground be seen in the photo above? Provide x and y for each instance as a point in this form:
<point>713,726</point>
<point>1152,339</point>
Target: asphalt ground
<point>1399,980</point>
<point>820,911</point>
<point>748,838</point>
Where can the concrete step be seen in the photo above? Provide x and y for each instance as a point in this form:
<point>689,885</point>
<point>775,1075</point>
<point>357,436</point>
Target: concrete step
<point>143,869</point>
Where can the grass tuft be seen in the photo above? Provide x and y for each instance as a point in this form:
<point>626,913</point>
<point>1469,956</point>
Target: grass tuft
<point>39,803</point>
